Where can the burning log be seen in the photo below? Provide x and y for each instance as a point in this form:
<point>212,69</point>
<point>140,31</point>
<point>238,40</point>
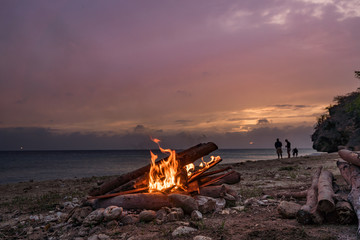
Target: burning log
<point>196,175</point>
<point>351,173</point>
<point>185,157</point>
<point>325,192</point>
<point>349,156</point>
<point>151,201</point>
<point>308,212</point>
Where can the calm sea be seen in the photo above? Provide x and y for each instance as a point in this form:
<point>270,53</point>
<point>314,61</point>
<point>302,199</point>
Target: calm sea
<point>19,166</point>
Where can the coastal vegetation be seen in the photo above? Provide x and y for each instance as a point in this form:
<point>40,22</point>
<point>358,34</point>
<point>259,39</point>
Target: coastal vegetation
<point>340,126</point>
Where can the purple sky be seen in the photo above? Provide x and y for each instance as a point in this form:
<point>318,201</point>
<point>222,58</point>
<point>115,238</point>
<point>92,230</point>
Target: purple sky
<point>107,74</point>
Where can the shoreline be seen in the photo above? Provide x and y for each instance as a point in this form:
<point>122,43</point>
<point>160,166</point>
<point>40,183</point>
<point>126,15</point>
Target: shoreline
<point>21,202</point>
<point>228,159</point>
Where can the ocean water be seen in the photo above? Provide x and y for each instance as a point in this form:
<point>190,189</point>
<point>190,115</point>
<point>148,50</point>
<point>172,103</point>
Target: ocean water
<point>20,166</point>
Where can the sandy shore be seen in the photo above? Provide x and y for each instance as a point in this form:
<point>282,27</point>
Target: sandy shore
<point>38,210</point>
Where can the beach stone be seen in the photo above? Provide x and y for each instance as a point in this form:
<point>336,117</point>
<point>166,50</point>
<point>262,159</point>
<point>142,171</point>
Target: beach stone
<point>129,219</point>
<point>253,202</point>
<point>239,208</point>
<point>220,204</point>
<point>94,217</point>
<point>183,230</point>
<point>113,212</point>
<point>199,237</point>
<point>176,214</point>
<point>206,204</point>
<point>147,216</point>
<point>288,209</point>
<point>83,231</point>
<point>187,203</point>
<point>196,215</point>
<point>112,224</point>
<point>162,213</point>
<point>69,205</point>
<point>81,213</point>
<point>100,236</point>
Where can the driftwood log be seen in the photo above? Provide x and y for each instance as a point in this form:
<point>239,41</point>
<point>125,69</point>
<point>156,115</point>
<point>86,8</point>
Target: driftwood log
<point>308,212</point>
<point>286,194</point>
<point>185,157</point>
<point>344,213</point>
<point>326,201</point>
<point>151,201</point>
<point>350,156</point>
<point>351,172</point>
<point>233,178</point>
<point>218,192</point>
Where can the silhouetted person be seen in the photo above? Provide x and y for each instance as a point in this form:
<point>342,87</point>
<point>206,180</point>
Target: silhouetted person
<point>288,147</point>
<point>278,146</point>
<point>295,152</point>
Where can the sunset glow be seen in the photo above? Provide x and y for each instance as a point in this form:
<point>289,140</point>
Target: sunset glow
<point>94,74</point>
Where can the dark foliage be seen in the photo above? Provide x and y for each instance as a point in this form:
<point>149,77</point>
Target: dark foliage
<point>340,126</point>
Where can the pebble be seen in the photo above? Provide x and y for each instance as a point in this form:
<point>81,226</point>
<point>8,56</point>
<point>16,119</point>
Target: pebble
<point>112,213</point>
<point>182,230</point>
<point>199,237</point>
<point>99,237</point>
<point>147,216</point>
<point>196,215</point>
<point>239,208</point>
<point>94,217</point>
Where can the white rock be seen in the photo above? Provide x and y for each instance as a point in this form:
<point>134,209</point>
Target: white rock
<point>199,237</point>
<point>239,208</point>
<point>94,217</point>
<point>196,215</point>
<point>220,204</point>
<point>69,205</point>
<point>112,213</point>
<point>225,211</point>
<point>182,230</point>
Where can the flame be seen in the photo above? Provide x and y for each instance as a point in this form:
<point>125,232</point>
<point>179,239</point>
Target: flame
<point>189,168</point>
<point>166,175</point>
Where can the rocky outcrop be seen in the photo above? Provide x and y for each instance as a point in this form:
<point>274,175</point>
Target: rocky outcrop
<point>340,126</point>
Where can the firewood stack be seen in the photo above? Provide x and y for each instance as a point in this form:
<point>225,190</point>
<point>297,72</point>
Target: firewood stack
<point>131,191</point>
<point>325,202</point>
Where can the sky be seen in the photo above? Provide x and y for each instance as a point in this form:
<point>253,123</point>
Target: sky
<point>91,74</point>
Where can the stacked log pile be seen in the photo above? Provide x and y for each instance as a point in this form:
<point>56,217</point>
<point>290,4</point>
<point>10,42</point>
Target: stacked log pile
<point>325,202</point>
<point>130,190</point>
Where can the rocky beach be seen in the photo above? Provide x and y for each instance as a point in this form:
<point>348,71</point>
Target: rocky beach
<point>45,210</point>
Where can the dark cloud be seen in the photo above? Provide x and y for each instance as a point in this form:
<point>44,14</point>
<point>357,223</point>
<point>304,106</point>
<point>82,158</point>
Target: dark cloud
<point>238,119</point>
<point>263,121</point>
<point>51,139</point>
<point>140,128</point>
<point>291,106</point>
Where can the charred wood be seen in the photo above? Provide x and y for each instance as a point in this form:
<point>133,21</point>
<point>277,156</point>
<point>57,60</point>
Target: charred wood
<point>185,157</point>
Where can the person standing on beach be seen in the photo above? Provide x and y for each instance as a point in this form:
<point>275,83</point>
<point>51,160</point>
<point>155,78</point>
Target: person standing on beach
<point>295,152</point>
<point>278,146</point>
<point>288,147</point>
